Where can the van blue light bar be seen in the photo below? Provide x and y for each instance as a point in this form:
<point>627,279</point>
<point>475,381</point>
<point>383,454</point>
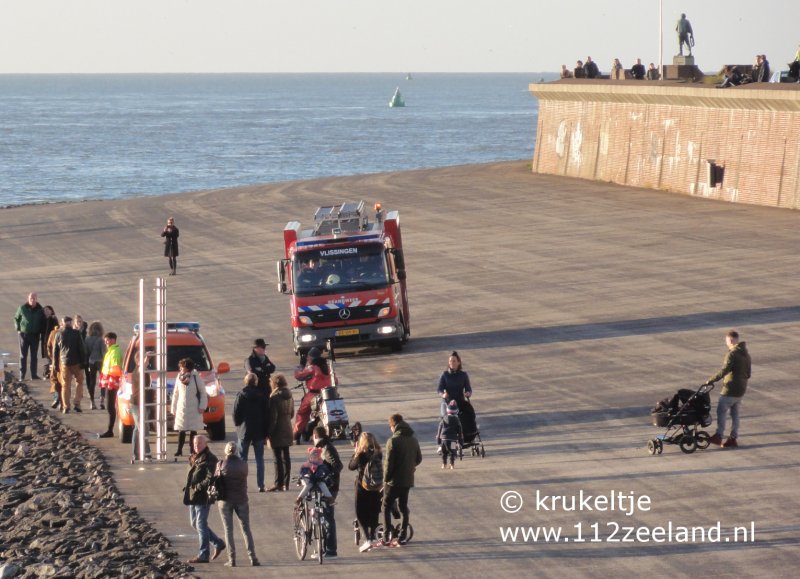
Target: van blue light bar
<point>152,326</point>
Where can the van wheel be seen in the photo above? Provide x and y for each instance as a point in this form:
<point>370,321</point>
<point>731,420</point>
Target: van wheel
<point>216,430</point>
<point>125,433</point>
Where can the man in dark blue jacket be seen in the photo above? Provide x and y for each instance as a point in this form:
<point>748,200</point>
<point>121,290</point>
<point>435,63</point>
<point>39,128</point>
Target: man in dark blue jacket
<point>251,417</point>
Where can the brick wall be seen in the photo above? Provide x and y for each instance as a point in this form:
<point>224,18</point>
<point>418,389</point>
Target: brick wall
<point>661,135</point>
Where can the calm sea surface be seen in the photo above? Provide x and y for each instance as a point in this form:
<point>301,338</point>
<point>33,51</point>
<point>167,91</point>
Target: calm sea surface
<point>72,137</point>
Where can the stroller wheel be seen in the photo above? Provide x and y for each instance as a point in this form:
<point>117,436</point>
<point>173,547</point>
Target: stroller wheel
<point>483,452</point>
<point>688,444</point>
<point>703,439</point>
<point>652,446</point>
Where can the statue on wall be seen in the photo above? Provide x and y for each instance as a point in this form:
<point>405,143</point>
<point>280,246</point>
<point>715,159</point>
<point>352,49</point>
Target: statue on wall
<point>685,35</point>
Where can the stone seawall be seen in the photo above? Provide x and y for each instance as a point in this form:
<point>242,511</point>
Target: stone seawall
<point>662,135</point>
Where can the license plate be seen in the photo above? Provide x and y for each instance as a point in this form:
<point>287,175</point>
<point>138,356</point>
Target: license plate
<point>350,332</point>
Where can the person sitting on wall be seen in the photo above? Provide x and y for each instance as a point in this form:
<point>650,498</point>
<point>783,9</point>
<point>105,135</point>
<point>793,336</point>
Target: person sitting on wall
<point>652,72</point>
<point>579,72</point>
<point>732,77</point>
<point>565,72</point>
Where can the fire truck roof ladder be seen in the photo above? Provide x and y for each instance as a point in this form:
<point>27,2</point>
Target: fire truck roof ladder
<point>347,217</point>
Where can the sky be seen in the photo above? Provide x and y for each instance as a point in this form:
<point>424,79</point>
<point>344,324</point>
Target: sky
<point>127,36</point>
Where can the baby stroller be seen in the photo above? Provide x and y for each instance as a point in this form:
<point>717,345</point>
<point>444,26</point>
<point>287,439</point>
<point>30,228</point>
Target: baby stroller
<point>469,426</point>
<point>682,415</point>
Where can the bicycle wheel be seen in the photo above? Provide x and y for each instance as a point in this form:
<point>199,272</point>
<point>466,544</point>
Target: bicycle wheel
<point>319,536</point>
<point>301,530</point>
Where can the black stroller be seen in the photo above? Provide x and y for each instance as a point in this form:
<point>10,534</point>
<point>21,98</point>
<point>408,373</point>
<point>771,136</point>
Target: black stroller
<point>682,415</point>
<point>469,426</point>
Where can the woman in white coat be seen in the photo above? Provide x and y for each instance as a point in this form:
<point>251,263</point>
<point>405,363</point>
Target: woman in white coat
<point>189,401</point>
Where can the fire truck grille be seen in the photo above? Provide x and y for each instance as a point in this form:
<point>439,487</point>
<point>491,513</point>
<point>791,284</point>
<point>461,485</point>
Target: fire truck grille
<point>336,315</point>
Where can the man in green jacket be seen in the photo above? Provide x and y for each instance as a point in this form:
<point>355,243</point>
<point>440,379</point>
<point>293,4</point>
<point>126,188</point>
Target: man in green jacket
<point>29,323</point>
<point>401,459</point>
<point>735,373</point>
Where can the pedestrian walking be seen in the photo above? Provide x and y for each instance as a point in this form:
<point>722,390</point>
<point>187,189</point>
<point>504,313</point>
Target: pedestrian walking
<point>735,373</point>
<point>170,235</point>
<point>233,471</point>
<point>202,465</point>
<point>403,455</point>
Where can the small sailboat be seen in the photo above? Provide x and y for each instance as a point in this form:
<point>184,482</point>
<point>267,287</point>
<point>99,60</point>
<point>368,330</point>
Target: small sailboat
<point>397,99</point>
<point>408,76</point>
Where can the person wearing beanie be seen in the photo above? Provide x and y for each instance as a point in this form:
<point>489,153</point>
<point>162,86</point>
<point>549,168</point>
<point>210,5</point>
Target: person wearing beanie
<point>450,435</point>
<point>233,471</point>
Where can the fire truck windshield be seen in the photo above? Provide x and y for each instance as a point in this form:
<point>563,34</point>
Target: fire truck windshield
<point>339,270</point>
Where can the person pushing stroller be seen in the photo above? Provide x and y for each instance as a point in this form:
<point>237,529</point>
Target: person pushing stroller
<point>454,384</point>
<point>450,436</point>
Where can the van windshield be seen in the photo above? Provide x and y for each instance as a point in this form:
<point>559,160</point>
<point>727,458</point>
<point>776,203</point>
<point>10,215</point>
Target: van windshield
<point>339,270</point>
<point>175,354</point>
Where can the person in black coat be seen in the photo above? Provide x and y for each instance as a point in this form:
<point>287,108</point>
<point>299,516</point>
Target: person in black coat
<point>170,235</point>
<point>251,417</point>
<point>259,364</point>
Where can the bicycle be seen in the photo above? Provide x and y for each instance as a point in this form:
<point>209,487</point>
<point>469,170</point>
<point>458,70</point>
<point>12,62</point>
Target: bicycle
<point>310,524</point>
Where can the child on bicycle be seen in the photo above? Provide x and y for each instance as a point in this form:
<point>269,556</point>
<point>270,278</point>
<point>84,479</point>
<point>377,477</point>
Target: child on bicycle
<point>450,435</point>
<point>314,472</point>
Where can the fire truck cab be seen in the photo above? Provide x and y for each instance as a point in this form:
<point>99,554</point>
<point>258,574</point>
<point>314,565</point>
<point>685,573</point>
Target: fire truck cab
<point>346,279</point>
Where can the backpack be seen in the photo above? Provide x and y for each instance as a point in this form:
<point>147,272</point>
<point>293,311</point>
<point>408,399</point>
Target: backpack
<point>216,486</point>
<point>372,480</point>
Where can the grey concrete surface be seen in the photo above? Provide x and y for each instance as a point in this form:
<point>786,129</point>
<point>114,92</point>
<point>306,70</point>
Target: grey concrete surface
<point>575,305</point>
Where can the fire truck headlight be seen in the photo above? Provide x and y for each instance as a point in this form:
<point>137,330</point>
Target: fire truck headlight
<point>305,320</point>
<point>384,312</point>
<point>386,330</point>
<point>305,338</point>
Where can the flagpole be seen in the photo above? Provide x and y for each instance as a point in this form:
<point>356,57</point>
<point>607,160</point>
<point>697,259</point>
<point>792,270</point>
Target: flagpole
<point>661,39</point>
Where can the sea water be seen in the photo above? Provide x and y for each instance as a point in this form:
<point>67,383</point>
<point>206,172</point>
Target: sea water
<point>76,137</point>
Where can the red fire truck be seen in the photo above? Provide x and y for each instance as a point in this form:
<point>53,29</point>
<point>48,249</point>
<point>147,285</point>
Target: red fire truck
<point>346,279</point>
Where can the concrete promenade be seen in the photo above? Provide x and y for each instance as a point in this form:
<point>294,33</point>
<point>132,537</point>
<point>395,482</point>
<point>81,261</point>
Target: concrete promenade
<point>575,304</point>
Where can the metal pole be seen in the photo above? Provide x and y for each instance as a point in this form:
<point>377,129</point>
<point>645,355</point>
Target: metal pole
<point>161,367</point>
<point>661,39</point>
<point>142,430</point>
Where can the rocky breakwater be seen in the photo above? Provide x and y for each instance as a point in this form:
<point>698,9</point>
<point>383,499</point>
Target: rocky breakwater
<point>60,513</point>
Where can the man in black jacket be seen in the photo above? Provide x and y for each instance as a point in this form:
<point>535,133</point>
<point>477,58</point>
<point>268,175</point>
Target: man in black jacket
<point>590,68</point>
<point>202,465</point>
<point>259,364</point>
<point>69,359</point>
<point>251,418</point>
